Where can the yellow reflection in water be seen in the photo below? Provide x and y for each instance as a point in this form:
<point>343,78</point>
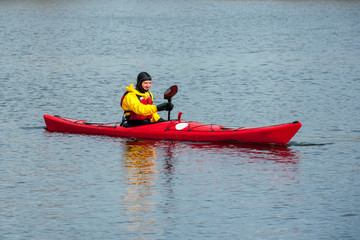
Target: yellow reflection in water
<point>139,161</point>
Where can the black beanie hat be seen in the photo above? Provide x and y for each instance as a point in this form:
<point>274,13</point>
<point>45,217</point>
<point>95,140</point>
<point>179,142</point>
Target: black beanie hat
<point>143,76</point>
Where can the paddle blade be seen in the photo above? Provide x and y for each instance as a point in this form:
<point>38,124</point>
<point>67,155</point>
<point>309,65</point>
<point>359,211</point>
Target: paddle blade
<point>170,92</point>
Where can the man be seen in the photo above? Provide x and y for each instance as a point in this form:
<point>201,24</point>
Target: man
<point>137,103</point>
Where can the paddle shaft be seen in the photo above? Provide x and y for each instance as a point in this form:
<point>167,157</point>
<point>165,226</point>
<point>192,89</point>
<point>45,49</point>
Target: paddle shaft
<point>169,93</point>
<point>169,110</point>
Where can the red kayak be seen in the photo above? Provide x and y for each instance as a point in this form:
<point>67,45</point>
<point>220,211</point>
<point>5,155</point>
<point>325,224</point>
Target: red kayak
<point>178,130</point>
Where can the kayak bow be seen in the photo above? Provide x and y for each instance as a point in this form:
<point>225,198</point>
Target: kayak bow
<point>178,130</point>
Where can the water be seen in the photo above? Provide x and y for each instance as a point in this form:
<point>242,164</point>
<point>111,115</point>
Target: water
<point>237,63</point>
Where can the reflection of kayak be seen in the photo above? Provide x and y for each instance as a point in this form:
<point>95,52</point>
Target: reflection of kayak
<point>178,130</point>
<point>252,153</point>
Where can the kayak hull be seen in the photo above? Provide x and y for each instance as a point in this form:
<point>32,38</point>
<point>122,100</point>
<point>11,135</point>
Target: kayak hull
<point>180,130</point>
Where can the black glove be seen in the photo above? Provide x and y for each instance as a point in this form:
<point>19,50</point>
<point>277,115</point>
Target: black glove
<point>165,107</point>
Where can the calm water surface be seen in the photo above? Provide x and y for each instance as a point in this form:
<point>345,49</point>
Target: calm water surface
<point>237,63</point>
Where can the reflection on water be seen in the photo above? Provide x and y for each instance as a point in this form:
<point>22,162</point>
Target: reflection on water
<point>139,164</point>
<point>279,163</point>
<point>153,172</point>
<point>139,160</point>
<point>250,152</point>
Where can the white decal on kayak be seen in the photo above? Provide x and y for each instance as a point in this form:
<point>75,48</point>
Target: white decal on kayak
<point>181,126</point>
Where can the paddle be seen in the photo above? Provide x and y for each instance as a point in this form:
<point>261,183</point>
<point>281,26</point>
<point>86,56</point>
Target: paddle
<point>169,93</point>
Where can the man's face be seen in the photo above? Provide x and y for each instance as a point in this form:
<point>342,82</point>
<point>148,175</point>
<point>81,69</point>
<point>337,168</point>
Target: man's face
<point>146,85</point>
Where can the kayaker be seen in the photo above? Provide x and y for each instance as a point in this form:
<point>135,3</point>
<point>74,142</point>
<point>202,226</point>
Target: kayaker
<point>137,103</point>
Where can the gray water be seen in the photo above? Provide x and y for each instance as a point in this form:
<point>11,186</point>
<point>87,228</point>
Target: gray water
<point>236,63</point>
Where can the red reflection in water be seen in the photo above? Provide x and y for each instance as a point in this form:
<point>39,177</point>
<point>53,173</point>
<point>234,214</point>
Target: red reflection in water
<point>281,154</point>
<point>147,149</point>
<point>142,153</point>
